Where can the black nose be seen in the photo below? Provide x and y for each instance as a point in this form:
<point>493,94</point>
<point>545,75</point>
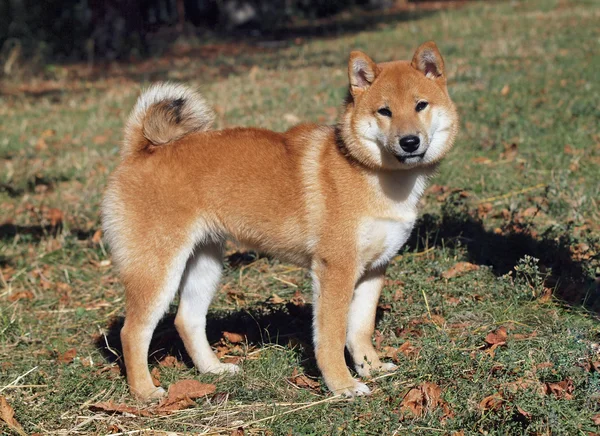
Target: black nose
<point>409,143</point>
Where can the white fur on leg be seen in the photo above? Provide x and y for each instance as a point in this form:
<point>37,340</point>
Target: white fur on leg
<point>361,323</point>
<point>199,285</point>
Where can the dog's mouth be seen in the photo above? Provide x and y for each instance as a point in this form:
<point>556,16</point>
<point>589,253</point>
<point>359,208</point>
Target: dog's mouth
<point>411,158</point>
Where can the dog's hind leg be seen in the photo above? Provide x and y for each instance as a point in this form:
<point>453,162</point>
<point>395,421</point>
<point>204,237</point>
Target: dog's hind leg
<point>361,324</point>
<point>199,285</point>
<point>149,290</point>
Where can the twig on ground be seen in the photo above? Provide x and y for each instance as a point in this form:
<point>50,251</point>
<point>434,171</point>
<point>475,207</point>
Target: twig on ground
<point>511,194</point>
<point>15,381</point>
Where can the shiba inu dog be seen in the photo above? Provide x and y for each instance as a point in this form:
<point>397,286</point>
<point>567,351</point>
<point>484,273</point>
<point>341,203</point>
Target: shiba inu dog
<point>340,200</point>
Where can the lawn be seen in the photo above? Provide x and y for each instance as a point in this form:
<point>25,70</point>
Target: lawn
<point>490,312</point>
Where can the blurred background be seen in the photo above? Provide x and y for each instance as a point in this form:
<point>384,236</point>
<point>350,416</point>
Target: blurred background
<point>91,30</point>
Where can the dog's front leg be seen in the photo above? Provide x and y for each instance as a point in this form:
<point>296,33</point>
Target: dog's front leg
<point>361,324</point>
<point>333,289</point>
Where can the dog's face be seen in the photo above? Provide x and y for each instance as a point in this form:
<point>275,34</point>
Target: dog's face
<point>399,114</point>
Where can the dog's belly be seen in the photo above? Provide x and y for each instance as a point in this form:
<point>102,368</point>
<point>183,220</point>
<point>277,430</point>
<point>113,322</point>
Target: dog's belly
<point>380,239</point>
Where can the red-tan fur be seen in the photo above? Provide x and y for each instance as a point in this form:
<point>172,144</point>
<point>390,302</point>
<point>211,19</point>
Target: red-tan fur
<point>314,195</point>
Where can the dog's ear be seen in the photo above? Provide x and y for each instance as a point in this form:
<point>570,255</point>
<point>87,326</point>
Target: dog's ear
<point>428,60</point>
<point>361,72</point>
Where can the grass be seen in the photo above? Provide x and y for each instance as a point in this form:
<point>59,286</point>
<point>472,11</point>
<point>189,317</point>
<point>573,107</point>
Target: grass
<point>522,73</point>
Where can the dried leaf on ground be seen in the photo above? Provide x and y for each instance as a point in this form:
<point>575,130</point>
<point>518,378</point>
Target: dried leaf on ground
<point>234,338</point>
<point>424,398</point>
<point>155,374</point>
<point>276,299</point>
<point>596,419</point>
<point>7,414</point>
<point>497,337</point>
<point>97,237</point>
<point>298,299</point>
<point>23,295</point>
<point>378,339</point>
<point>111,407</point>
<point>303,381</point>
<point>170,362</point>
<point>524,413</point>
<point>458,269</point>
<point>562,390</point>
<point>55,216</point>
<point>68,356</point>
<point>238,432</point>
<point>182,394</point>
<point>510,152</point>
<point>492,402</point>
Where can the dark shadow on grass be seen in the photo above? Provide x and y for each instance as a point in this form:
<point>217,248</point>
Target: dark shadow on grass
<point>36,232</point>
<point>283,324</point>
<point>572,282</point>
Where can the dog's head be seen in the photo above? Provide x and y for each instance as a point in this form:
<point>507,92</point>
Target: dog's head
<point>399,114</point>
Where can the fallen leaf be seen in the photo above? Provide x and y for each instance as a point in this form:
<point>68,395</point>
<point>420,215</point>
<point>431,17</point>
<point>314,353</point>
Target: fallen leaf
<point>522,336</point>
<point>68,356</point>
<point>484,209</point>
<point>497,337</point>
<point>100,139</point>
<point>111,407</point>
<point>23,295</point>
<point>458,269</point>
<point>544,365</point>
<point>505,90</point>
<point>407,348</point>
<point>181,395</point>
<point>155,374</point>
<point>55,216</point>
<point>378,339</point>
<point>7,414</point>
<point>482,160</point>
<point>563,389</point>
<point>398,295</point>
<point>298,299</point>
<point>596,419</point>
<point>234,338</point>
<point>303,381</point>
<point>424,398</point>
<point>276,299</point>
<point>510,152</point>
<point>114,428</point>
<point>238,432</point>
<point>97,237</point>
<point>493,402</point>
<point>524,413</point>
<point>170,362</point>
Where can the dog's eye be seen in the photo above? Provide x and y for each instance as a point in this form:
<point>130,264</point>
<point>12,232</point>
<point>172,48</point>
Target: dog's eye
<point>385,112</point>
<point>421,105</point>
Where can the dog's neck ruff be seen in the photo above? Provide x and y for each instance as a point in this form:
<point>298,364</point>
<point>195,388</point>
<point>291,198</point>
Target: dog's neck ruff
<point>343,149</point>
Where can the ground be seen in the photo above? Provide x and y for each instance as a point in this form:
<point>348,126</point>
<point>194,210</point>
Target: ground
<point>490,312</point>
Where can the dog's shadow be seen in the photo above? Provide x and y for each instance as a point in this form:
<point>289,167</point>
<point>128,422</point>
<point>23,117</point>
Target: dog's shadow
<point>285,324</point>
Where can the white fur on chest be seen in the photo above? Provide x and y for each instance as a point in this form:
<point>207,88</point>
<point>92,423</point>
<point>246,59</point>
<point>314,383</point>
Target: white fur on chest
<point>380,239</point>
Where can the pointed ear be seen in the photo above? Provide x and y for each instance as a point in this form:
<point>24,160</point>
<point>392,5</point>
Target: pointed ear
<point>428,60</point>
<point>362,71</point>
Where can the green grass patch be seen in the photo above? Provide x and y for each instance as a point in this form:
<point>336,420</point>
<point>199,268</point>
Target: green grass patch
<point>517,198</point>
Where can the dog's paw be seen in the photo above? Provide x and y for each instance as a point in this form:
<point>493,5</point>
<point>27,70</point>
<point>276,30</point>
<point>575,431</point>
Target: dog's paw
<point>356,389</point>
<point>223,368</point>
<point>154,393</point>
<point>387,367</point>
<point>365,370</point>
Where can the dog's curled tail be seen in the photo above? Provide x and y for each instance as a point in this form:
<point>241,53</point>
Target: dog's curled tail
<point>164,113</point>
